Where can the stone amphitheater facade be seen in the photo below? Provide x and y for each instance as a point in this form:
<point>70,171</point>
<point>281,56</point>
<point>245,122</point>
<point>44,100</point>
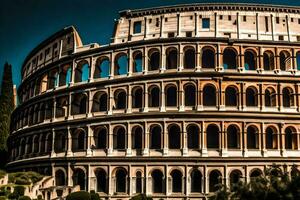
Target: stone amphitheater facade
<point>182,98</point>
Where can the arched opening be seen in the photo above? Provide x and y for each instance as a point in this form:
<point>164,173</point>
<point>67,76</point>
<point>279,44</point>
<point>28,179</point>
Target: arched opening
<point>215,178</point>
<point>119,138</point>
<point>102,68</point>
<point>48,145</point>
<point>156,137</point>
<point>52,80</point>
<point>231,96</point>
<point>100,102</point>
<point>287,97</point>
<point>79,140</point>
<point>285,60</point>
<point>42,113</point>
<point>101,179</point>
<point>137,61</point>
<point>79,104</point>
<point>154,59</point>
<point>137,97</point>
<point>100,137</point>
<point>295,172</point>
<point>171,96</point>
<point>196,181</point>
<point>79,179</point>
<point>212,135</point>
<point>157,181</point>
<point>176,181</point>
<point>270,97</point>
<point>193,137</point>
<point>65,75</point>
<point>271,138</point>
<point>171,58</point>
<point>251,97</point>
<point>229,59</point>
<point>174,137</point>
<point>235,178</point>
<point>23,147</point>
<point>42,84</point>
<point>255,173</point>
<point>250,60</point>
<point>60,178</point>
<point>233,140</point>
<point>190,95</point>
<point>209,96</point>
<point>59,142</point>
<point>121,185</point>
<point>252,137</point>
<point>291,138</point>
<point>121,64</point>
<point>298,60</point>
<point>154,97</point>
<point>62,106</point>
<point>137,138</point>
<point>208,58</point>
<point>36,144</point>
<point>189,58</point>
<point>29,145</point>
<point>82,72</point>
<point>138,183</point>
<point>268,58</point>
<point>120,99</point>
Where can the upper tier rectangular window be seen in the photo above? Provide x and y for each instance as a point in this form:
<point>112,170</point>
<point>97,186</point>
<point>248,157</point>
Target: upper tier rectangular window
<point>137,27</point>
<point>205,23</point>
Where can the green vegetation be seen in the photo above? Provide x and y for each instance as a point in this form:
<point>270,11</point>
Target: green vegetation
<point>79,196</point>
<point>141,197</point>
<point>94,195</point>
<point>24,198</point>
<point>274,185</point>
<point>6,108</point>
<point>24,178</point>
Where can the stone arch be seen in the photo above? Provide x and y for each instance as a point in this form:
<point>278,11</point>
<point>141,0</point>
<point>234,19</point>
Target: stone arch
<point>137,61</point>
<point>171,58</point>
<point>121,180</point>
<point>212,136</point>
<point>137,97</point>
<point>79,103</point>
<point>138,182</point>
<point>196,181</point>
<point>100,137</point>
<point>101,179</point>
<point>154,59</point>
<point>285,60</point>
<point>271,137</point>
<point>208,58</point>
<point>287,97</point>
<point>250,58</point>
<point>251,96</point>
<point>174,135</point>
<point>60,142</point>
<point>235,177</point>
<point>82,72</point>
<point>120,97</point>
<point>100,99</point>
<point>65,75</point>
<point>79,178</point>
<point>233,137</point>
<point>49,142</point>
<point>171,95</point>
<point>154,96</point>
<point>79,139</point>
<point>60,177</point>
<point>119,137</point>
<point>177,184</point>
<point>155,136</point>
<point>52,81</point>
<point>291,141</point>
<point>209,95</point>
<point>121,64</point>
<point>254,173</point>
<point>193,133</point>
<point>270,97</point>
<point>268,60</point>
<point>215,178</point>
<point>102,67</point>
<point>158,181</point>
<point>230,58</point>
<point>62,106</point>
<point>231,96</point>
<point>252,137</point>
<point>189,94</point>
<point>137,137</point>
<point>36,144</point>
<point>189,57</point>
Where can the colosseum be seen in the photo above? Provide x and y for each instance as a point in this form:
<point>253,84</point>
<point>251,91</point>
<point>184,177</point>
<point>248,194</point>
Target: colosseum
<point>181,99</point>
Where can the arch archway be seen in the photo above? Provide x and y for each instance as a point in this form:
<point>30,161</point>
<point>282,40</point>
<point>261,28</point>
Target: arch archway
<point>79,140</point>
<point>171,95</point>
<point>60,178</point>
<point>156,137</point>
<point>229,59</point>
<point>215,178</point>
<point>101,179</point>
<point>285,60</point>
<point>154,97</point>
<point>250,60</point>
<point>137,61</point>
<point>193,137</point>
<point>291,142</point>
<point>233,139</point>
<point>252,137</point>
<point>137,139</point>
<point>100,137</point>
<point>190,95</point>
<point>270,97</point>
<point>231,96</point>
<point>82,72</point>
<point>121,64</point>
<point>171,58</point>
<point>251,97</point>
<point>235,178</point>
<point>137,97</point>
<point>176,181</point>
<point>154,59</point>
<point>271,138</point>
<point>268,58</point>
<point>208,58</point>
<point>189,58</point>
<point>79,179</point>
<point>212,135</point>
<point>121,183</point>
<point>209,96</point>
<point>120,99</point>
<point>102,68</point>
<point>157,181</point>
<point>287,97</point>
<point>174,137</point>
<point>100,102</point>
<point>196,181</point>
<point>119,138</point>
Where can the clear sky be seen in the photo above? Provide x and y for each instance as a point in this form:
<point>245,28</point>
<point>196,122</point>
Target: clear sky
<point>25,23</point>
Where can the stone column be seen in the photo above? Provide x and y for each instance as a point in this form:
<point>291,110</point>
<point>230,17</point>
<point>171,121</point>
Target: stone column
<point>161,25</point>
<point>180,63</point>
<point>163,59</point>
<point>196,24</point>
<point>112,66</point>
<point>263,140</point>
<point>163,99</point>
<point>110,140</point>
<point>165,140</point>
<point>146,140</point>
<point>146,98</point>
<point>69,175</point>
<point>73,73</point>
<point>223,140</point>
<point>145,27</point>
<point>178,25</point>
<point>53,154</point>
<point>282,139</point>
<point>70,106</point>
<point>129,99</point>
<point>111,101</point>
<point>181,97</point>
<point>145,61</point>
<point>184,140</point>
<point>54,109</point>
<point>244,133</point>
<point>69,143</point>
<point>89,141</point>
<point>203,141</point>
<point>92,70</point>
<point>129,139</point>
<point>130,63</point>
<point>198,57</point>
<point>90,103</point>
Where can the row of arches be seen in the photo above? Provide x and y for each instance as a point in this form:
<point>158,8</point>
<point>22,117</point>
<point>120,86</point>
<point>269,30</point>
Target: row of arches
<point>170,96</point>
<point>124,65</point>
<point>157,180</point>
<point>270,139</point>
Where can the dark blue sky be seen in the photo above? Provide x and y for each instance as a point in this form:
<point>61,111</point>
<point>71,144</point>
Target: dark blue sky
<point>25,23</point>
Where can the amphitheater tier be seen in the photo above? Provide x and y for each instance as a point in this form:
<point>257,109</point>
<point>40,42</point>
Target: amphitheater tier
<point>182,98</point>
